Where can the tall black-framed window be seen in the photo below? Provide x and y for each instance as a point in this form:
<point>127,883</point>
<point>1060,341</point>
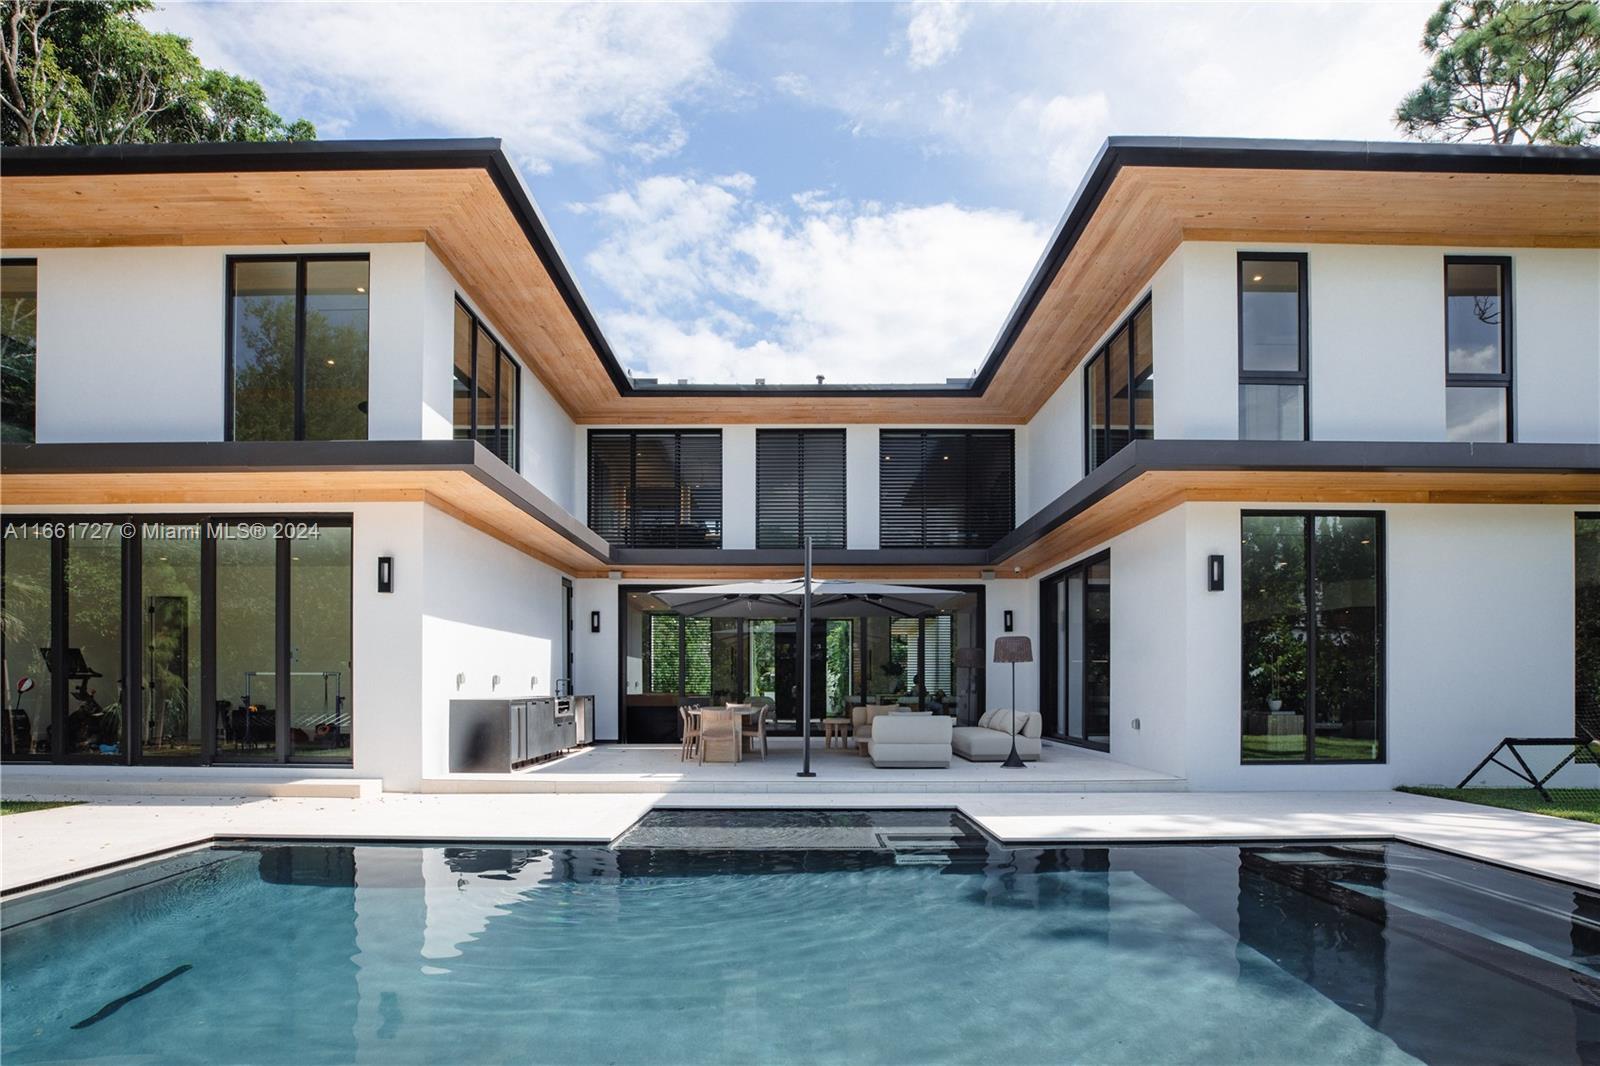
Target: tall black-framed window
<point>1478,358</point>
<point>1119,389</point>
<point>487,385</point>
<point>1586,638</point>
<point>1075,653</point>
<point>800,488</point>
<point>178,639</point>
<point>945,488</point>
<point>656,488</point>
<point>297,347</point>
<point>1274,346</point>
<point>1312,600</point>
<point>19,334</point>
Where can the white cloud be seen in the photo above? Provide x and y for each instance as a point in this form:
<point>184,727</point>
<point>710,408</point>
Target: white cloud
<point>934,32</point>
<point>718,285</point>
<point>561,84</point>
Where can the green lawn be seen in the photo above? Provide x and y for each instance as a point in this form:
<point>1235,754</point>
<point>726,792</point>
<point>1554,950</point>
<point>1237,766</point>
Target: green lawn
<point>24,806</point>
<point>1580,805</point>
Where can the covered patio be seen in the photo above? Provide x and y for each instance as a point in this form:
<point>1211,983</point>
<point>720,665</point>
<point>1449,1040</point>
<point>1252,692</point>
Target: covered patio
<point>657,768</point>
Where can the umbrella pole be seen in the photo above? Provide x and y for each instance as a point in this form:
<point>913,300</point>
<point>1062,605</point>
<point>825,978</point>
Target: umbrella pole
<point>805,670</point>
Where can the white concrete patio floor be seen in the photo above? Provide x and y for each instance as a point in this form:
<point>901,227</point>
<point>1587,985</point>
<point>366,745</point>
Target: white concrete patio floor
<point>50,844</point>
<point>657,768</point>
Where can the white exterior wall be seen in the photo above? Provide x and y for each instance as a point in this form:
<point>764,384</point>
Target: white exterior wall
<point>491,626</point>
<point>861,486</point>
<point>133,341</point>
<point>1477,644</point>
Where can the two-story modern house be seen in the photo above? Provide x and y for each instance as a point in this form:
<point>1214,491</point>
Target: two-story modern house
<point>1287,459</point>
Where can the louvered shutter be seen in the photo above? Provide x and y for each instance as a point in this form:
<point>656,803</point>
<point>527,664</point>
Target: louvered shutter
<point>800,488</point>
<point>945,488</point>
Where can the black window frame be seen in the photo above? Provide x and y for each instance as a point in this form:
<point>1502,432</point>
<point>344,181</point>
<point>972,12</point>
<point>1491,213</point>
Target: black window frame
<point>27,261</point>
<point>1581,730</point>
<point>299,260</point>
<point>1300,376</point>
<point>1101,355</point>
<point>630,531</point>
<point>283,525</point>
<point>766,494</point>
<point>1504,379</point>
<point>1048,638</point>
<point>514,456</point>
<point>1381,729</point>
<point>973,501</point>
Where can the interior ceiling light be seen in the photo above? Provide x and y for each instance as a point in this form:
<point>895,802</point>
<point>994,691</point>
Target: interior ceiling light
<point>1256,278</point>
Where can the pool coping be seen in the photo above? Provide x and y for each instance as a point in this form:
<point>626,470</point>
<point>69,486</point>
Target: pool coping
<point>984,820</point>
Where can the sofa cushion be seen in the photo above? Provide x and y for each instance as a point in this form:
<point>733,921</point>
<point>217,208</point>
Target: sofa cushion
<point>985,719</point>
<point>990,745</point>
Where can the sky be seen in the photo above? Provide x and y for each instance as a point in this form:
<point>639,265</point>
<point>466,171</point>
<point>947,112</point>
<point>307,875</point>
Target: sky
<point>779,190</point>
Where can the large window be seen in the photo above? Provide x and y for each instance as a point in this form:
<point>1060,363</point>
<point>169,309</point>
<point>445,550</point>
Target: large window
<point>1477,329</point>
<point>1586,556</point>
<point>19,309</point>
<point>1075,653</point>
<point>1120,390</point>
<point>1312,594</point>
<point>656,488</point>
<point>1274,347</point>
<point>297,347</point>
<point>945,488</point>
<point>487,388</point>
<point>800,488</point>
<point>195,639</point>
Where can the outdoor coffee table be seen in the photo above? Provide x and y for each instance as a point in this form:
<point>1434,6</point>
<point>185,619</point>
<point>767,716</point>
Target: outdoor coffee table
<point>835,728</point>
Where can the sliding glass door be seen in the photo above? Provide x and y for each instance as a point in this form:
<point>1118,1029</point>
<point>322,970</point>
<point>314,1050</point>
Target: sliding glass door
<point>183,640</point>
<point>1075,654</point>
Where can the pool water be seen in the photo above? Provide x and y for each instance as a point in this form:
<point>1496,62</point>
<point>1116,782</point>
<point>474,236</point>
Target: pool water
<point>772,937</point>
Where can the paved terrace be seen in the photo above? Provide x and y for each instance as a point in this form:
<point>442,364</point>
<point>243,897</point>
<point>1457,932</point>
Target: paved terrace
<point>58,843</point>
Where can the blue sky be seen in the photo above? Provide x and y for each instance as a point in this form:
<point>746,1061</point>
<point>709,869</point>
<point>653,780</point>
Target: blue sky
<point>785,190</point>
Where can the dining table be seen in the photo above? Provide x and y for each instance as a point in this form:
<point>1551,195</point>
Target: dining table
<point>729,753</point>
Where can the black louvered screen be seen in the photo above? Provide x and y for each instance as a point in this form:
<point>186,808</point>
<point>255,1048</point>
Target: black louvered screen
<point>945,488</point>
<point>656,488</point>
<point>800,488</point>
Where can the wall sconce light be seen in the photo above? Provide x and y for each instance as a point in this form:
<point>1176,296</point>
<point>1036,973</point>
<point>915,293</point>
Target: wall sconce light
<point>494,682</point>
<point>594,621</point>
<point>1214,573</point>
<point>385,573</point>
<point>1009,621</point>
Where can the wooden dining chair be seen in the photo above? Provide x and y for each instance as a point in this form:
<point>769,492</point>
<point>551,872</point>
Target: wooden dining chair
<point>720,727</point>
<point>689,721</point>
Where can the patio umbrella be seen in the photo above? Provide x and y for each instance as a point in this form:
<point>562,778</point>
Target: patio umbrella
<point>830,598</point>
<point>810,598</point>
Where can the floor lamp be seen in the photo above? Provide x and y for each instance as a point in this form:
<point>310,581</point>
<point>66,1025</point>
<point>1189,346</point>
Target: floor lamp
<point>1013,650</point>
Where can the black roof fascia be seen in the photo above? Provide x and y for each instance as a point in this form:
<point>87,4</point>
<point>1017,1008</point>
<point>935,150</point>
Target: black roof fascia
<point>1114,154</point>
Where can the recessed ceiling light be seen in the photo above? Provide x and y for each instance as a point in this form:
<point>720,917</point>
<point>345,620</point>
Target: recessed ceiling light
<point>1256,278</point>
<point>330,362</point>
<point>362,288</point>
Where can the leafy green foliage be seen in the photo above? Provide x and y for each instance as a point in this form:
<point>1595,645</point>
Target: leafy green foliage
<point>88,72</point>
<point>1509,70</point>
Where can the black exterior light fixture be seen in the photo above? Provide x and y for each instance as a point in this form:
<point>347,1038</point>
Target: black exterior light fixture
<point>1010,621</point>
<point>1214,573</point>
<point>385,573</point>
<point>594,621</point>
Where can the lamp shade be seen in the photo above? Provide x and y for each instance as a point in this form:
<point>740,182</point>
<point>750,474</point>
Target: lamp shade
<point>1013,650</point>
<point>969,658</point>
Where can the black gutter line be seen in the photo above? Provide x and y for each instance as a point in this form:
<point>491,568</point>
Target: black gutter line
<point>1114,154</point>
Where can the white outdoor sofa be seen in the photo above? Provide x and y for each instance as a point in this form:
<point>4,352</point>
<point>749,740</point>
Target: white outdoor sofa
<point>910,738</point>
<point>990,739</point>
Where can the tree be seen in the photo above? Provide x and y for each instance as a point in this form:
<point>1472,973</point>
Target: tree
<point>88,72</point>
<point>1510,70</point>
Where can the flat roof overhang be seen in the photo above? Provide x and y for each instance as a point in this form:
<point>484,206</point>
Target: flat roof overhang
<point>461,478</point>
<point>1141,198</point>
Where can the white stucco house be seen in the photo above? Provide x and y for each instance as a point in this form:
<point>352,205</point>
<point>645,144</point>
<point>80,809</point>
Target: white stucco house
<point>1286,460</point>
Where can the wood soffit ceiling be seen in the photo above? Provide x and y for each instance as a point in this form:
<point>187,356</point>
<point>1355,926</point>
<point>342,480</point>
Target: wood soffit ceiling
<point>465,216</point>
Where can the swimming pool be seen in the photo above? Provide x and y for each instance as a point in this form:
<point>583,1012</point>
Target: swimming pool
<point>801,937</point>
